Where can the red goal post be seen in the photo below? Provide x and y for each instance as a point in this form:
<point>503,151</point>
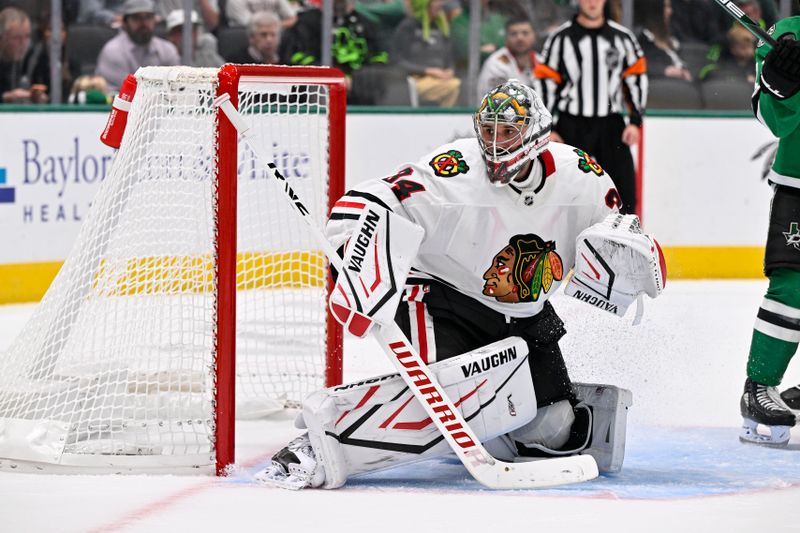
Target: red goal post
<point>230,77</point>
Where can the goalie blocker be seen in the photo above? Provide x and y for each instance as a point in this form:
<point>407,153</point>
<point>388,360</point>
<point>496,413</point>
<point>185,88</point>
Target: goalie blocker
<point>615,262</point>
<point>375,266</point>
<point>375,423</point>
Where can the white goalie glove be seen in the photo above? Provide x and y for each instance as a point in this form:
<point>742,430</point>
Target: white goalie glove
<point>377,258</point>
<point>615,263</point>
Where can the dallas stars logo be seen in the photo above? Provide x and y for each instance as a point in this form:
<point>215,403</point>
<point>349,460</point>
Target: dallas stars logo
<point>793,235</point>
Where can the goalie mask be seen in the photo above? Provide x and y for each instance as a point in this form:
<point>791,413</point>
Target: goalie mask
<point>513,127</point>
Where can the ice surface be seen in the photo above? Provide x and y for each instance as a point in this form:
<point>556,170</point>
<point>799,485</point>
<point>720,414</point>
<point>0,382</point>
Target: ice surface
<point>684,468</point>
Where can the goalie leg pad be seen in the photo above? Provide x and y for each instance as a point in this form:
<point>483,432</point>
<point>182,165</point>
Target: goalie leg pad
<point>550,428</point>
<point>600,421</point>
<point>548,431</point>
<point>377,423</point>
<point>609,408</point>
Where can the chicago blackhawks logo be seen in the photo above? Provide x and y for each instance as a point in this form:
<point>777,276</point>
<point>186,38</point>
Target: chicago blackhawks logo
<point>449,164</point>
<point>587,164</point>
<point>523,269</point>
<point>793,236</point>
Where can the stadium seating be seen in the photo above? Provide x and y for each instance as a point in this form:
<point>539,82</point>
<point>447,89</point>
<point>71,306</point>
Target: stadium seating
<point>231,41</point>
<point>397,89</point>
<point>727,94</point>
<point>695,55</point>
<point>671,93</point>
<point>84,43</point>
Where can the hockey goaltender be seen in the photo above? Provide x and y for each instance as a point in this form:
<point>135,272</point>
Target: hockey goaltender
<point>462,250</point>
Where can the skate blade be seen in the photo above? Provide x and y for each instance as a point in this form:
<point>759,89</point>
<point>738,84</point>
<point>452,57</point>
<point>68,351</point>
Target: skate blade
<point>777,438</point>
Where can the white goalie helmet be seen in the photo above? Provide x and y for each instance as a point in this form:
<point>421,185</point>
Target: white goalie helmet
<point>513,126</point>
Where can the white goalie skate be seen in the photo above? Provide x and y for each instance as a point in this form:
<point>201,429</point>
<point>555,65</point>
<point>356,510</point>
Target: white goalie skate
<point>762,405</point>
<point>295,467</point>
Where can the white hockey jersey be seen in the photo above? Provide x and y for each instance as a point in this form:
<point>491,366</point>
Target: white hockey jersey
<point>507,247</point>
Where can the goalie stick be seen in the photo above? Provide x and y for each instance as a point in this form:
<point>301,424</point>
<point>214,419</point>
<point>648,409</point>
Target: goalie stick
<point>487,470</point>
<point>748,23</point>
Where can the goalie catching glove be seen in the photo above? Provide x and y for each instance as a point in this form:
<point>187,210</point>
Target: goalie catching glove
<point>614,263</point>
<point>377,258</point>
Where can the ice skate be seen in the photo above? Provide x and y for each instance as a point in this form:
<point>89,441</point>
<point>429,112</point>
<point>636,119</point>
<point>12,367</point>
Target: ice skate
<point>791,397</point>
<point>294,467</point>
<point>762,405</point>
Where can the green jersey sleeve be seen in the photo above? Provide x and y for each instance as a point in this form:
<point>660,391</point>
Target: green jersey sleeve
<point>782,117</point>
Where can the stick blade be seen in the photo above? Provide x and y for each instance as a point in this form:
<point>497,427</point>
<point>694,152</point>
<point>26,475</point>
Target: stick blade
<point>536,474</point>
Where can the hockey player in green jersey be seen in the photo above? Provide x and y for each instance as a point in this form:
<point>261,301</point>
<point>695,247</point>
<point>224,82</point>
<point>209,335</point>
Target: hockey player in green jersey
<point>776,103</point>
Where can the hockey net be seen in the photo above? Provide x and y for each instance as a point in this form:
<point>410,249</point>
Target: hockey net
<point>128,360</point>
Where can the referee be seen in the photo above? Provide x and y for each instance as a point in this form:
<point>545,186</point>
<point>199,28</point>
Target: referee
<point>590,68</point>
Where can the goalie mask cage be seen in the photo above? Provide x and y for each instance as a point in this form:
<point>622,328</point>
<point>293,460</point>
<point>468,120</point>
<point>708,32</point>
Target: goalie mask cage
<point>189,255</point>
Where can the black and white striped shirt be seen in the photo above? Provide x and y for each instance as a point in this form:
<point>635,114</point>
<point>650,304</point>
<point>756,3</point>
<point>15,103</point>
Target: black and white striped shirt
<point>583,71</point>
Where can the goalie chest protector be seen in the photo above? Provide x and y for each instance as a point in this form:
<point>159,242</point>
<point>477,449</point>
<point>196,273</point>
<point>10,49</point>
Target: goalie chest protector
<point>507,247</point>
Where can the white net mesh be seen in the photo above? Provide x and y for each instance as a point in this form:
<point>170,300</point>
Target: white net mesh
<point>118,359</point>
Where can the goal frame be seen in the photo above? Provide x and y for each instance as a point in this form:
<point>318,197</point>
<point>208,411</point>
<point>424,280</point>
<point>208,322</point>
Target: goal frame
<point>227,178</point>
<point>95,384</point>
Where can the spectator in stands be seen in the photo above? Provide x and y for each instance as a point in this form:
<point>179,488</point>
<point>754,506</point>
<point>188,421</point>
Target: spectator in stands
<point>89,89</point>
<point>300,44</point>
<point>204,45</point>
<point>103,12</point>
<point>421,47</point>
<point>356,49</point>
<point>764,12</point>
<point>239,12</point>
<point>70,10</point>
<point>492,30</point>
<point>452,9</point>
<point>769,11</point>
<point>697,21</point>
<point>15,39</point>
<point>733,62</point>
<point>384,15</point>
<point>209,11</point>
<point>264,36</point>
<point>515,60</point>
<point>660,48</point>
<point>135,46</point>
<point>37,62</point>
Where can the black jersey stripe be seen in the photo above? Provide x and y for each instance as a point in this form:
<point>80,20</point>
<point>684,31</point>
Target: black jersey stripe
<point>370,197</point>
<point>344,216</point>
<point>779,320</point>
